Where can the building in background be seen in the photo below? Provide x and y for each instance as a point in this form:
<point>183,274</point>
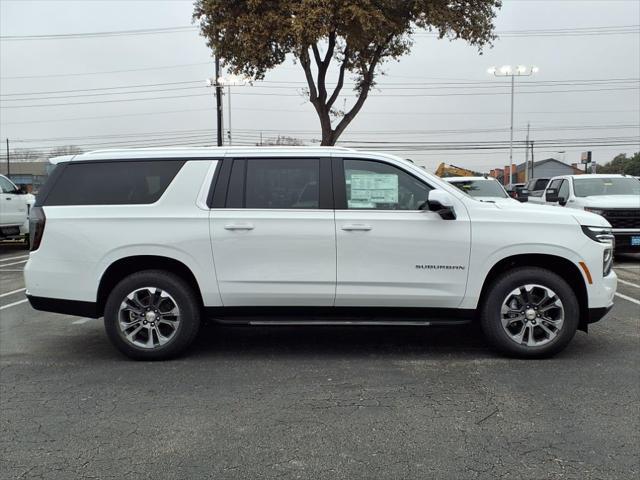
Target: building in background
<point>547,168</point>
<point>27,175</point>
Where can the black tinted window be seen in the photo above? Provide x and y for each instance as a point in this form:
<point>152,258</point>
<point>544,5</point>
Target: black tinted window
<point>112,183</point>
<point>281,183</point>
<point>541,184</point>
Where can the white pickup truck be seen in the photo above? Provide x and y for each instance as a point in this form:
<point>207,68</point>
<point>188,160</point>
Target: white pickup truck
<point>615,197</point>
<point>14,211</point>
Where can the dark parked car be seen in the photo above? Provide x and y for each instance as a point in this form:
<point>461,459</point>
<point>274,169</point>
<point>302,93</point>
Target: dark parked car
<point>519,191</point>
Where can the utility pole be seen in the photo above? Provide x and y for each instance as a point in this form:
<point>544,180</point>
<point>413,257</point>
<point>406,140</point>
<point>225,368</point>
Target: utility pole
<point>526,156</point>
<point>229,106</point>
<point>8,167</point>
<point>218,100</point>
<point>532,161</point>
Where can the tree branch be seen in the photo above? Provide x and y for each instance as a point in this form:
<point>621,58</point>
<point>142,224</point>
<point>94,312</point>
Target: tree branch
<point>316,54</point>
<point>339,85</point>
<point>305,61</point>
<point>367,81</point>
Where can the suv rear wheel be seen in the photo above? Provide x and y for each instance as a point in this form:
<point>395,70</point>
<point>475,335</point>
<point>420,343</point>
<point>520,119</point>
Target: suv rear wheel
<point>530,312</point>
<point>152,315</point>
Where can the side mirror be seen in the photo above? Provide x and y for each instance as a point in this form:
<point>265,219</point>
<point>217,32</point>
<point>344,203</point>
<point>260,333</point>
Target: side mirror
<point>562,201</point>
<point>441,202</point>
<point>551,195</point>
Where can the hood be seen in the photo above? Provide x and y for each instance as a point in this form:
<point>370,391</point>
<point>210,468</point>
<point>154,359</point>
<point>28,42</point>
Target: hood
<point>572,214</point>
<point>497,200</point>
<point>610,201</point>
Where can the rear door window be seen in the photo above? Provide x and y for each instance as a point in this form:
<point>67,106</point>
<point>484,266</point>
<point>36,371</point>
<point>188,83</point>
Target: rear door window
<point>112,183</point>
<point>275,183</point>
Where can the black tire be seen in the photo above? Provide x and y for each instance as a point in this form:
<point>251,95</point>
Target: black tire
<point>490,312</point>
<point>185,299</point>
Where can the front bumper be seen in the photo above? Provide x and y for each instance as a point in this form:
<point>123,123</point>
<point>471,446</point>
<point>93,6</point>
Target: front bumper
<point>623,240</point>
<point>597,314</point>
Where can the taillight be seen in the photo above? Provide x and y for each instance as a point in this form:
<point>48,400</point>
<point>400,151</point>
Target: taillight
<point>37,219</point>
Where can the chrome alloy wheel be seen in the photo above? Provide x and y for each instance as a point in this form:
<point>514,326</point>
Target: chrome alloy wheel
<point>532,315</point>
<point>148,317</point>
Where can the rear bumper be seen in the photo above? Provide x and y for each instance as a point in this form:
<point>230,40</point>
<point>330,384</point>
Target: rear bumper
<point>66,307</point>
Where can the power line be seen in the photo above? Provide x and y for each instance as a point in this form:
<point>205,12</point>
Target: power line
<point>363,113</point>
<point>577,31</point>
<point>255,132</point>
<point>105,72</point>
<point>109,33</point>
<point>387,86</point>
<point>300,95</point>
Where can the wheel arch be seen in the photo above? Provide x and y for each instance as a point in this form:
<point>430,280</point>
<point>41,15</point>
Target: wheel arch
<point>123,267</point>
<point>562,267</point>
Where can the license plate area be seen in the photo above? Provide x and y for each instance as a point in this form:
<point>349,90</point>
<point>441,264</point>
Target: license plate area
<point>635,240</point>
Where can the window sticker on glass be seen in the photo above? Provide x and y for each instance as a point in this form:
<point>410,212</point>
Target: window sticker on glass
<point>369,189</point>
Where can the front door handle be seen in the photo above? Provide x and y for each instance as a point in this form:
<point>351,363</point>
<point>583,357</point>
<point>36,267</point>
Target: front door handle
<point>356,227</point>
<point>238,226</point>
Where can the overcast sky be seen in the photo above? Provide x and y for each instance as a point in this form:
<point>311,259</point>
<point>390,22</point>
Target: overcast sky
<point>445,105</point>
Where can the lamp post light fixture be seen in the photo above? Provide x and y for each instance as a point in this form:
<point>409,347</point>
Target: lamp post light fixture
<point>228,81</point>
<point>509,71</point>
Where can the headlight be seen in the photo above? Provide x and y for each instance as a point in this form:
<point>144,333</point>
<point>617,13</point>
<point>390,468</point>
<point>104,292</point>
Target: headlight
<point>599,234</point>
<point>607,261</point>
<point>597,211</point>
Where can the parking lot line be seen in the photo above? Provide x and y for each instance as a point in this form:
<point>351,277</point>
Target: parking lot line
<point>631,299</point>
<point>22,301</point>
<point>624,282</point>
<point>14,263</point>
<point>81,321</point>
<point>13,258</point>
<point>12,292</point>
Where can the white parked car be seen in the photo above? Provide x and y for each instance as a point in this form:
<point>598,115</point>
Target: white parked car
<point>305,236</point>
<point>485,189</point>
<point>14,211</point>
<point>615,197</point>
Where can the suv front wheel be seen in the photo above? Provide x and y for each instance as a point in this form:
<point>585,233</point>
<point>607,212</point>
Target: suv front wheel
<point>529,312</point>
<point>152,315</point>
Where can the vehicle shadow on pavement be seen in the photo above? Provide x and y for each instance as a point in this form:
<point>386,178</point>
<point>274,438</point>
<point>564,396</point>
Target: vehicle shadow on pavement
<point>342,342</point>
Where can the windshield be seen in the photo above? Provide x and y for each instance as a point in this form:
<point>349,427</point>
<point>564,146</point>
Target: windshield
<point>591,187</point>
<point>481,188</point>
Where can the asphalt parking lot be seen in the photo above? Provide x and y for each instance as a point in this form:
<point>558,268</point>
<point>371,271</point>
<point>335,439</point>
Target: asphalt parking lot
<point>315,402</point>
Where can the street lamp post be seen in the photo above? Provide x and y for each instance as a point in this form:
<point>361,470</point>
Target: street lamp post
<point>508,71</point>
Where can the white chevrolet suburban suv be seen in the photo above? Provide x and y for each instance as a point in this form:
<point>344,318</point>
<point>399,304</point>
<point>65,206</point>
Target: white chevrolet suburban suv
<point>154,240</point>
<point>615,197</point>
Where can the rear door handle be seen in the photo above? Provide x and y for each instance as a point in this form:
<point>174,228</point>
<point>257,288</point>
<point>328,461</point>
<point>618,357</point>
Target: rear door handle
<point>238,226</point>
<point>356,226</point>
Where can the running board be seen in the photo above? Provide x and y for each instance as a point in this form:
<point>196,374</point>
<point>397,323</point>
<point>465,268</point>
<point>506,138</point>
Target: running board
<point>358,323</point>
<point>340,316</point>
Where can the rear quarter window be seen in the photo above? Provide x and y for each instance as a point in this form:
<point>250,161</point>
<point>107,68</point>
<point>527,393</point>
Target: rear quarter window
<point>112,183</point>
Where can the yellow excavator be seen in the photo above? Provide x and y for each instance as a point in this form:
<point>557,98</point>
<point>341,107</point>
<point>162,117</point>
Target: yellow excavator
<point>445,170</point>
